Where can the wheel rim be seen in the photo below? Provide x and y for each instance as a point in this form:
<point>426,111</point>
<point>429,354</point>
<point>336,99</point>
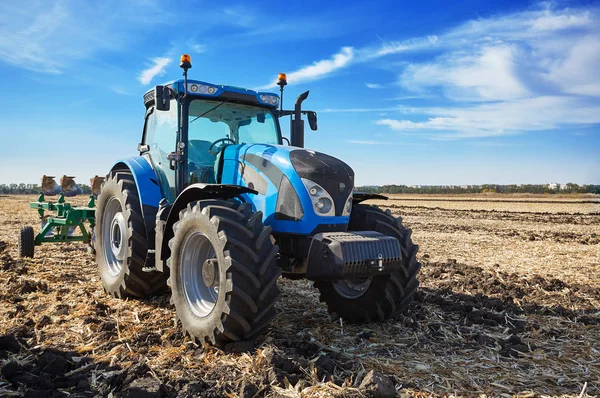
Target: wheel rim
<point>199,253</point>
<point>352,288</point>
<point>113,236</point>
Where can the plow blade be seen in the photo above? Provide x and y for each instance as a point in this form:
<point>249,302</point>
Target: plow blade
<point>49,186</point>
<point>96,184</point>
<point>69,186</point>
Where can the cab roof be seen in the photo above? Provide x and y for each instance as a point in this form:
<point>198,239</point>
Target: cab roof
<point>218,91</point>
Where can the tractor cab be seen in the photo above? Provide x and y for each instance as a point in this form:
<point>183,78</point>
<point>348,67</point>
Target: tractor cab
<point>186,130</point>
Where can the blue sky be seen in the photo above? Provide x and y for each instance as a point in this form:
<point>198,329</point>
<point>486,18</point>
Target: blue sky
<point>426,92</point>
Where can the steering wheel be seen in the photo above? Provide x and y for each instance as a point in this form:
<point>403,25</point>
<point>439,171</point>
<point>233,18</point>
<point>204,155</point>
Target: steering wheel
<point>216,142</point>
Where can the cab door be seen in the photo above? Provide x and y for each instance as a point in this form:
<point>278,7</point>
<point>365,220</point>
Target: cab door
<point>160,138</point>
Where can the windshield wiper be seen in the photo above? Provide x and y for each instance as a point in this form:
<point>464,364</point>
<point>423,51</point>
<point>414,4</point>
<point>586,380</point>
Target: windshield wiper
<point>208,111</point>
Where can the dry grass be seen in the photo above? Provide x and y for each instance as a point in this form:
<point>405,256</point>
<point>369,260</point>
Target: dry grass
<point>509,304</point>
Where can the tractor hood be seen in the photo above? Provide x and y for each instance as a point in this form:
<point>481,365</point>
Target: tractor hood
<point>283,176</point>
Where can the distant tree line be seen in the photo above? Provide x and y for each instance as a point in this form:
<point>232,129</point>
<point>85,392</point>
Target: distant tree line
<point>485,188</point>
<point>30,189</point>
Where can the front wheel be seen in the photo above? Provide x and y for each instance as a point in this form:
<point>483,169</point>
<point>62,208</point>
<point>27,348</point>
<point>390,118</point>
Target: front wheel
<point>223,273</point>
<point>377,297</point>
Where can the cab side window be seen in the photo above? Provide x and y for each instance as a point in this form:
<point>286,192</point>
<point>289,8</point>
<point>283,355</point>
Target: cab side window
<point>161,137</point>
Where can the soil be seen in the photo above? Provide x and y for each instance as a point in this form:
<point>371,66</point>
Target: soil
<point>498,312</point>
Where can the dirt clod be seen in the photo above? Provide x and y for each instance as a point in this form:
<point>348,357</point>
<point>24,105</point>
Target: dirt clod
<point>10,369</point>
<point>325,363</point>
<point>52,363</point>
<point>378,385</point>
<point>147,387</point>
<point>9,343</point>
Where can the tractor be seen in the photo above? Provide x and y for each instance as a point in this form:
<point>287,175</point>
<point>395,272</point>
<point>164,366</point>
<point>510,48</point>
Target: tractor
<point>217,208</point>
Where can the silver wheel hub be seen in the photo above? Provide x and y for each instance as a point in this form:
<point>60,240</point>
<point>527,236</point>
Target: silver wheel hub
<point>199,274</point>
<point>114,232</point>
<point>117,235</point>
<point>352,288</point>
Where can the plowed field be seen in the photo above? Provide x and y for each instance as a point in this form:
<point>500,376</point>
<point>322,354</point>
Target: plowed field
<point>509,304</point>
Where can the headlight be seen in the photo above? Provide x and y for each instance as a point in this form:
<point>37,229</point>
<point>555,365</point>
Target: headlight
<point>269,99</point>
<point>201,89</point>
<point>320,198</point>
<point>348,206</point>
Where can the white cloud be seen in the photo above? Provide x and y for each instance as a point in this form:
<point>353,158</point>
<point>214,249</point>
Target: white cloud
<point>358,110</point>
<point>157,69</point>
<point>52,36</point>
<point>395,47</point>
<point>547,21</point>
<point>576,70</point>
<point>497,119</point>
<point>318,69</point>
<point>119,90</point>
<point>525,25</point>
<point>198,48</point>
<point>486,74</point>
<point>527,71</point>
<point>366,142</point>
<point>349,55</point>
<point>373,85</point>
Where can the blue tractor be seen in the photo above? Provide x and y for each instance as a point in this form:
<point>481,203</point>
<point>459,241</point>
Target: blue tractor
<point>217,208</point>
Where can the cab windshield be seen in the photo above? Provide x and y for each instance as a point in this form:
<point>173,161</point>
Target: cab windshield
<point>212,125</point>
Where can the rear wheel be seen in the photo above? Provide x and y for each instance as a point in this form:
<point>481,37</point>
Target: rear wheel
<point>223,273</point>
<point>376,297</point>
<point>26,242</point>
<point>120,240</point>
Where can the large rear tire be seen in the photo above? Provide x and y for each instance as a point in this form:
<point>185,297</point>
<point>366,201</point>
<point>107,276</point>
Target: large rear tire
<point>26,242</point>
<point>121,246</point>
<point>377,297</point>
<point>223,272</point>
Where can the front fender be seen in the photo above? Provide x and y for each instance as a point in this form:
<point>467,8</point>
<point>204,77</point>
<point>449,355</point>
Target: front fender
<point>190,194</point>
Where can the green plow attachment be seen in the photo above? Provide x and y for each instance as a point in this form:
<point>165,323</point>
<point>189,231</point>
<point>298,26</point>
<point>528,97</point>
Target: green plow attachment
<point>67,220</point>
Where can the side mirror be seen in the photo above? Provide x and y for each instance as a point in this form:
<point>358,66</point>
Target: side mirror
<point>312,120</point>
<point>162,98</point>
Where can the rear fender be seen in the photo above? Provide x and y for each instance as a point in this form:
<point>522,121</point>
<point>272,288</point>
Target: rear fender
<point>192,193</point>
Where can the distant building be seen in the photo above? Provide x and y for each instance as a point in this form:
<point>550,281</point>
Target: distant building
<point>553,186</point>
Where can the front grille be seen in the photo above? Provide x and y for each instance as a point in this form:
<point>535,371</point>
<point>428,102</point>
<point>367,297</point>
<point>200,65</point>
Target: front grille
<point>335,176</point>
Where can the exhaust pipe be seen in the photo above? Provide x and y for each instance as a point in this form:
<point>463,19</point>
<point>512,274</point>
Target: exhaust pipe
<point>297,131</point>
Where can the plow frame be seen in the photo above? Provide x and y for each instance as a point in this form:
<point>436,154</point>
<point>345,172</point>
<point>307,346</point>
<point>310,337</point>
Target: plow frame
<point>66,219</point>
